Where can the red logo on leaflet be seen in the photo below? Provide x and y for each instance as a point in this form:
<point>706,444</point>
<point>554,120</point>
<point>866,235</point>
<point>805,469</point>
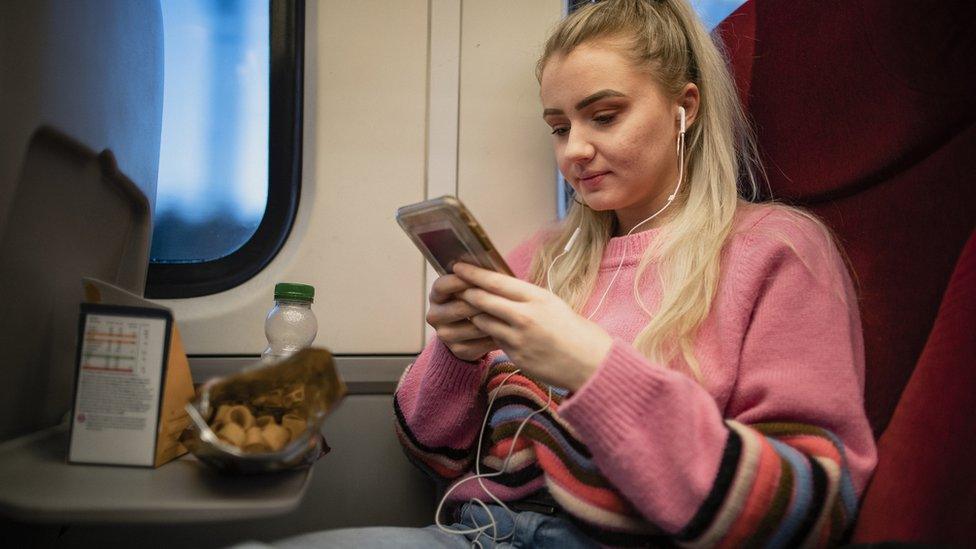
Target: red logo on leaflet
<point>82,418</point>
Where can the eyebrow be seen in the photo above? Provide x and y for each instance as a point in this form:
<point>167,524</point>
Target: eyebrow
<point>587,101</point>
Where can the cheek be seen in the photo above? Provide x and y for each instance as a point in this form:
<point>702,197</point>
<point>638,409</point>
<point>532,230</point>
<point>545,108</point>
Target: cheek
<point>629,153</point>
<point>644,151</point>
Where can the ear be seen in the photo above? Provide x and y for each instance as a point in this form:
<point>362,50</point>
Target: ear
<point>690,99</point>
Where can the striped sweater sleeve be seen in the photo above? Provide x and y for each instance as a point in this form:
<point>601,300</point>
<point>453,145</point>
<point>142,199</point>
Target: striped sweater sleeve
<point>437,409</point>
<point>778,485</point>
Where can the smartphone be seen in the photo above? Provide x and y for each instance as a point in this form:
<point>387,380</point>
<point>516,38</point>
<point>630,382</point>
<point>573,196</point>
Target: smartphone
<point>446,232</point>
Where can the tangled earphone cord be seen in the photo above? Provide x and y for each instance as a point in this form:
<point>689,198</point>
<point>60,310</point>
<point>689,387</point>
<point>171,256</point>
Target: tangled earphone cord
<point>479,529</point>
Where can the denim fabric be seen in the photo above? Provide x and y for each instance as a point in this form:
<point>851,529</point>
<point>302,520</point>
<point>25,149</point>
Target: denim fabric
<point>528,529</point>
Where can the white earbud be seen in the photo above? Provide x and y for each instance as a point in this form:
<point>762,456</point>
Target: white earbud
<point>681,115</point>
<point>571,240</point>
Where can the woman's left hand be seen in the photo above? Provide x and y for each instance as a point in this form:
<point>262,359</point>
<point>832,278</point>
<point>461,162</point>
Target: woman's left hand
<point>538,331</point>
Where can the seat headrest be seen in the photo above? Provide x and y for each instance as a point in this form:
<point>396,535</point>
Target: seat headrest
<point>844,96</point>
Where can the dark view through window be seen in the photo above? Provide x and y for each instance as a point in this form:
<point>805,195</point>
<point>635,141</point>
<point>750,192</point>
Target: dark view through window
<point>213,165</point>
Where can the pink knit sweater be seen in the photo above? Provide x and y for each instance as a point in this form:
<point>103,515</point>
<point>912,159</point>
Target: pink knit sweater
<point>774,447</point>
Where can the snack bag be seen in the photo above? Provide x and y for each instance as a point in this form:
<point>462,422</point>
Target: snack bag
<point>267,418</point>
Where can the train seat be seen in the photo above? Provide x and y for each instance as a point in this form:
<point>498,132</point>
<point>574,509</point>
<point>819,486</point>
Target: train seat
<point>864,117</point>
<point>927,452</point>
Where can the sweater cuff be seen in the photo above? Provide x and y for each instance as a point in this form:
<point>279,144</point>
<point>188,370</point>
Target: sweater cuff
<point>616,395</point>
<point>449,373</point>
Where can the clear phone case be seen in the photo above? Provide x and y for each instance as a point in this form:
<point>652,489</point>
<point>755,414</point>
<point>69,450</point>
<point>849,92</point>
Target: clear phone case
<point>446,232</point>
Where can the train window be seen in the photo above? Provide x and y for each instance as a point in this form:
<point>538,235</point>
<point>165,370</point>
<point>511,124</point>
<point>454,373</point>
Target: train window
<point>712,12</point>
<point>230,154</point>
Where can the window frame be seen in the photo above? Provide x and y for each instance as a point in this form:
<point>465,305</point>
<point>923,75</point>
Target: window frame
<point>286,95</point>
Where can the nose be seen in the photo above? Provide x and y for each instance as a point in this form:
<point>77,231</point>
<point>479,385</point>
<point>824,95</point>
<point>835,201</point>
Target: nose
<point>579,149</point>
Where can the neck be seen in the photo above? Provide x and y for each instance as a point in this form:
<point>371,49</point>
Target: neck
<point>627,221</point>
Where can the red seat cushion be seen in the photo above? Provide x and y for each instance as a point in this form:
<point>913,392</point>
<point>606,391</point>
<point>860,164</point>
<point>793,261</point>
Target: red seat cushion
<point>924,488</point>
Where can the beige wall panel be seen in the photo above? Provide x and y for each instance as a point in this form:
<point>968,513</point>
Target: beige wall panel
<point>506,171</point>
<point>442,122</point>
<point>364,155</point>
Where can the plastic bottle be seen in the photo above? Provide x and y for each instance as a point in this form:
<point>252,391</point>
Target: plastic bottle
<point>291,324</point>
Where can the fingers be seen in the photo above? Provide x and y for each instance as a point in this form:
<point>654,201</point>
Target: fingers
<point>452,311</point>
<point>496,283</point>
<point>494,327</point>
<point>496,306</point>
<point>457,332</point>
<point>445,286</point>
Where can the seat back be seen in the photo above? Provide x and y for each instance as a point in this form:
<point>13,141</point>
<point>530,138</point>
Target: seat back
<point>73,214</point>
<point>864,114</point>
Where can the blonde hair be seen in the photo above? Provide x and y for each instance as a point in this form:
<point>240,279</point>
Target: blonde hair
<point>666,38</point>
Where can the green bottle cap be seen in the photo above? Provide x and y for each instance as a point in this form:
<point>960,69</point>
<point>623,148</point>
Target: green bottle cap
<point>296,292</point>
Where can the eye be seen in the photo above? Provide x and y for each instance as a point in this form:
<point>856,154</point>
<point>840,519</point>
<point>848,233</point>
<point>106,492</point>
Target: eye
<point>605,119</point>
<point>560,130</point>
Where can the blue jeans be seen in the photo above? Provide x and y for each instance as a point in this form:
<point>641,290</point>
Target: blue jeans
<point>528,529</point>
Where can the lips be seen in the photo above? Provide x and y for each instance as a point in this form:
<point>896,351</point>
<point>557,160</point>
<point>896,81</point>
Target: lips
<point>591,181</point>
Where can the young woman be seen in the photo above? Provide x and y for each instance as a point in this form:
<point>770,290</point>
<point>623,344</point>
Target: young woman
<point>697,359</point>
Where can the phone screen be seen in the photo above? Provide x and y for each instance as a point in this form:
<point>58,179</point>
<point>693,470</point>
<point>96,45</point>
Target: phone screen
<point>445,245</point>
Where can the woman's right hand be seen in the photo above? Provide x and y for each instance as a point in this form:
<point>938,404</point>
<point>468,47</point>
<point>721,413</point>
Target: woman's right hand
<point>449,316</point>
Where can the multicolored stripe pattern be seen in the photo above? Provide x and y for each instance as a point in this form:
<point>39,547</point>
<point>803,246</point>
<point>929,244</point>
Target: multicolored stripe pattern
<point>779,484</point>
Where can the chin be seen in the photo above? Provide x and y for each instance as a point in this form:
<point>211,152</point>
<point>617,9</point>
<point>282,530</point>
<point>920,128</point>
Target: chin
<point>600,202</point>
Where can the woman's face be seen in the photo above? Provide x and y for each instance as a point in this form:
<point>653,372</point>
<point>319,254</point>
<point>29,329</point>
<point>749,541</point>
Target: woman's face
<point>614,131</point>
